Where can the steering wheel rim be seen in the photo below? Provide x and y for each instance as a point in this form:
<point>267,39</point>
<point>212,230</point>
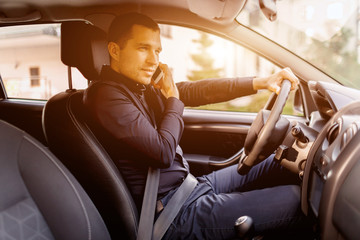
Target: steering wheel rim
<point>248,161</point>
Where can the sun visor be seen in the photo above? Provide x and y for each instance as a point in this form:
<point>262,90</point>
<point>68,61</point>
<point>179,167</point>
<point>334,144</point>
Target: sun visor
<point>222,11</point>
<point>14,12</point>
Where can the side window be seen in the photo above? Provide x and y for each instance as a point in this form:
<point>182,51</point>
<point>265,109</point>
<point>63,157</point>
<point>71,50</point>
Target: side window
<point>193,55</point>
<point>30,63</point>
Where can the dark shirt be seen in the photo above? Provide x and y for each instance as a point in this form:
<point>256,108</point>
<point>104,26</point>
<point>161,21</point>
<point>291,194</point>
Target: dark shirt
<point>139,127</point>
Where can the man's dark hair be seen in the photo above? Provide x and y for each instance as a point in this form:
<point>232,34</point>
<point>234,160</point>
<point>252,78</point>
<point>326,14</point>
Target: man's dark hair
<point>120,28</point>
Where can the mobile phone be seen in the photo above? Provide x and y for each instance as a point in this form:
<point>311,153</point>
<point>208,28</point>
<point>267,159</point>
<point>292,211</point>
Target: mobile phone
<point>158,74</point>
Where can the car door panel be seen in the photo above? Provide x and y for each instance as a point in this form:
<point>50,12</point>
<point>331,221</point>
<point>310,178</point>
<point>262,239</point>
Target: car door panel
<point>216,133</point>
<point>211,139</point>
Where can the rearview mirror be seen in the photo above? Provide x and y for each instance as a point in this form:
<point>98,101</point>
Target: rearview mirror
<point>268,7</point>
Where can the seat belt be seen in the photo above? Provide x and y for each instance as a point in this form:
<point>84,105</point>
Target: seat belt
<point>147,215</point>
<point>147,229</point>
<point>173,207</point>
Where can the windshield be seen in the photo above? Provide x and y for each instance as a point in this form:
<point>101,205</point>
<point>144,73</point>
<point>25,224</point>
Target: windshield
<point>325,33</point>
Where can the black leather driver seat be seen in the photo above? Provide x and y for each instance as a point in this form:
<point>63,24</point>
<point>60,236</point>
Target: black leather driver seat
<point>39,198</point>
<point>70,138</point>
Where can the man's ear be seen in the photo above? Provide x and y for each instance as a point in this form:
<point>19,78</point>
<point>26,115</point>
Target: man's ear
<point>114,50</point>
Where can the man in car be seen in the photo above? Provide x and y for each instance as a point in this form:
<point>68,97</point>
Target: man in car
<point>142,124</point>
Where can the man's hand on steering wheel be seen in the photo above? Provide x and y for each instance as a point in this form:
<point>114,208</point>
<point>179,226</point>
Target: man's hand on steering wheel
<point>273,82</point>
<point>268,129</point>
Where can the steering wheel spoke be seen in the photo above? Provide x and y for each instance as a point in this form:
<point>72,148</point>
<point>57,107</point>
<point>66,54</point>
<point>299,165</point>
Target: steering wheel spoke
<point>266,132</point>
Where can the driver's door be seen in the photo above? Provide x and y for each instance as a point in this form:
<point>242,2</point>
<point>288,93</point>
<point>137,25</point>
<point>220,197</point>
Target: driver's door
<point>213,139</point>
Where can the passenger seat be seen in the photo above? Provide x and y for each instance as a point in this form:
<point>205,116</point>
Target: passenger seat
<point>39,198</point>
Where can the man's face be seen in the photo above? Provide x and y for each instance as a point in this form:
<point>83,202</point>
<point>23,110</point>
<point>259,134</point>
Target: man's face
<point>139,57</point>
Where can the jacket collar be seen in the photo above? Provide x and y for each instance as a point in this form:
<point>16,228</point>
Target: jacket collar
<point>110,75</point>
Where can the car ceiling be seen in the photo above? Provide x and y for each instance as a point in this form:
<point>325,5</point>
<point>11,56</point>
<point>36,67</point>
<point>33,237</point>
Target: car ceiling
<point>215,16</point>
<point>20,11</point>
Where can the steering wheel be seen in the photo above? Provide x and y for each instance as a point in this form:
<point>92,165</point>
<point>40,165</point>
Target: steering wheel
<point>266,133</point>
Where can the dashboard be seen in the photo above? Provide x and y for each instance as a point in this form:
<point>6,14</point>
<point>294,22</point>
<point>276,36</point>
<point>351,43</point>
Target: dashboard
<point>331,176</point>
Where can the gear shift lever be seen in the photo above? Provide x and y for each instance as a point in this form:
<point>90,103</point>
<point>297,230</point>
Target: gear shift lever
<point>244,227</point>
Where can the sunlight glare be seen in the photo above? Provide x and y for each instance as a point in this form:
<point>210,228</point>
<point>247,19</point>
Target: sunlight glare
<point>335,10</point>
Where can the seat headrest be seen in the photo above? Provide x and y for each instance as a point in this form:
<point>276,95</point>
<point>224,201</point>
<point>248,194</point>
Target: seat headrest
<point>84,46</point>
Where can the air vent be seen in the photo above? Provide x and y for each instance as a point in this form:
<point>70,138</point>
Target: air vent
<point>333,131</point>
<point>348,135</point>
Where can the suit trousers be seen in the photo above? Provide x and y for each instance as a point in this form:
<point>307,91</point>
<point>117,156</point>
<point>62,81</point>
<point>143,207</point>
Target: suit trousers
<point>269,194</point>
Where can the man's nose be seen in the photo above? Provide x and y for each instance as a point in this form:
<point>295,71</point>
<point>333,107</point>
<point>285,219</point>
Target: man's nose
<point>152,57</point>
